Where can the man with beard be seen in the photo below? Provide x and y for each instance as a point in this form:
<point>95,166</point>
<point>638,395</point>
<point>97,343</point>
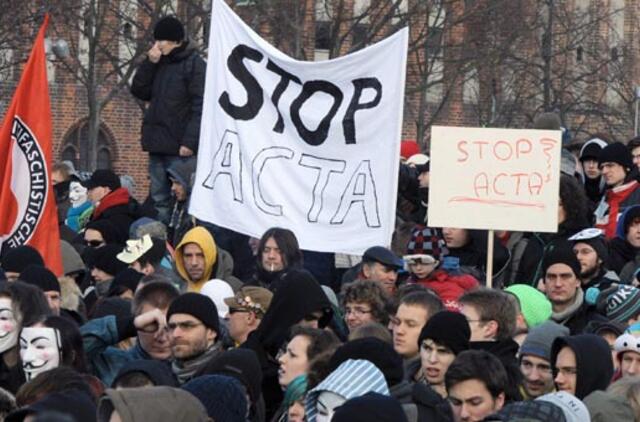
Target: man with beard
<point>535,359</point>
<point>591,251</point>
<point>193,326</point>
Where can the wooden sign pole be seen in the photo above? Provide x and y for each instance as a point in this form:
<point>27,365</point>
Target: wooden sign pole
<point>490,259</point>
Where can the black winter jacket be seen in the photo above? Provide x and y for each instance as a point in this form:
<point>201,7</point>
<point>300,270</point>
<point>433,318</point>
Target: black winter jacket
<point>175,89</point>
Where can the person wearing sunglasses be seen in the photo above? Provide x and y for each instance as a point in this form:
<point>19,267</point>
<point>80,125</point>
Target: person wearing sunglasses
<point>246,310</point>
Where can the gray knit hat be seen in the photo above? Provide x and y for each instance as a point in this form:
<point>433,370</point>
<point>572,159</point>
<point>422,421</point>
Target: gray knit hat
<point>539,340</point>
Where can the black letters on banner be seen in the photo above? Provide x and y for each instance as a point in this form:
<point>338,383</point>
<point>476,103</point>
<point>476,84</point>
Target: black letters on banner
<point>285,77</point>
<point>254,91</point>
<point>348,123</point>
<point>318,136</point>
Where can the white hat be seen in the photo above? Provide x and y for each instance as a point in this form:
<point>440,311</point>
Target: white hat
<point>218,290</point>
<point>135,249</point>
<point>417,159</point>
<point>573,408</point>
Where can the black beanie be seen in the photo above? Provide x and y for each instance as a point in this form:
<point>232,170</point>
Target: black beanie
<point>110,233</point>
<point>159,373</point>
<point>198,306</point>
<point>370,407</point>
<point>127,279</point>
<point>376,351</point>
<point>106,259</point>
<point>450,329</point>
<point>169,28</point>
<point>561,252</point>
<point>120,308</point>
<point>41,277</point>
<point>616,152</point>
<point>17,259</point>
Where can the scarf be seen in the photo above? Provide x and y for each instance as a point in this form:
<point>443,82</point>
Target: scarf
<point>562,317</point>
<point>184,370</point>
<point>119,196</point>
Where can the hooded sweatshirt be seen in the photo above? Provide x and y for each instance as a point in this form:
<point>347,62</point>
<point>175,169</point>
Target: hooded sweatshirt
<point>157,404</point>
<point>594,367</point>
<point>353,378</point>
<point>299,295</point>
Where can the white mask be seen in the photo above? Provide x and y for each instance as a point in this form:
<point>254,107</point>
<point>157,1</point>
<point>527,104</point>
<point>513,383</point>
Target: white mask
<point>77,194</point>
<point>9,327</point>
<point>326,405</point>
<point>40,349</point>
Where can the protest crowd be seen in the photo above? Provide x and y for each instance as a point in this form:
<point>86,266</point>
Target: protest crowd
<point>162,317</point>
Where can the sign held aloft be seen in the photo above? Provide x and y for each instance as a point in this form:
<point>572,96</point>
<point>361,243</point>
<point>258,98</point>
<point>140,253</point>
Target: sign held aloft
<point>494,179</point>
<point>312,147</point>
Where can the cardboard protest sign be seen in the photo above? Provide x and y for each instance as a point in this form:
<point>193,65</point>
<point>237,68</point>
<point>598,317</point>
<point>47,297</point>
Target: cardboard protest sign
<point>312,147</point>
<point>502,179</point>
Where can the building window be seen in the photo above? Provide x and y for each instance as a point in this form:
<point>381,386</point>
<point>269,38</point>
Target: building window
<point>76,148</point>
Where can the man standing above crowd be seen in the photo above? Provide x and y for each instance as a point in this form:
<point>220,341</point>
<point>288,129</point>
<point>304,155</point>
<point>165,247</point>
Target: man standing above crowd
<point>171,78</point>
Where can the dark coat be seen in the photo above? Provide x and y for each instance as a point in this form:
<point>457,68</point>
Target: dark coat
<point>583,316</point>
<point>175,89</point>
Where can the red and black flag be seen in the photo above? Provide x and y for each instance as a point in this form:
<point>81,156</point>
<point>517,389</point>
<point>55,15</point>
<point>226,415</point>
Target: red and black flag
<point>27,202</point>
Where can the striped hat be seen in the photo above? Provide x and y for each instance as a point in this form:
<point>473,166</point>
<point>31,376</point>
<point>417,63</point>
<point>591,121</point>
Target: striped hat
<point>623,304</point>
<point>353,378</point>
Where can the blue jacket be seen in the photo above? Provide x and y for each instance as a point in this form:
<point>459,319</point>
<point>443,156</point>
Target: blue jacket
<point>105,360</point>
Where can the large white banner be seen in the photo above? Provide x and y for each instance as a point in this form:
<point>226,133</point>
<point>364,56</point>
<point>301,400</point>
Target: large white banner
<point>309,146</point>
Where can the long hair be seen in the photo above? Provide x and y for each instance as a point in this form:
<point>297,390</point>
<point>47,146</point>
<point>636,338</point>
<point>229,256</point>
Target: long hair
<point>288,244</point>
<point>72,348</point>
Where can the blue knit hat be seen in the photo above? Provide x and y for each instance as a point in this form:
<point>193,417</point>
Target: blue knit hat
<point>222,396</point>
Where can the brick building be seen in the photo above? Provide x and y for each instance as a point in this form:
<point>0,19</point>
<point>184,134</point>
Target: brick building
<point>468,64</point>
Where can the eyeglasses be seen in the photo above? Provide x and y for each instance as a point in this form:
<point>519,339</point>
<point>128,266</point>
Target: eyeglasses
<point>356,311</point>
<point>184,326</point>
<point>94,243</point>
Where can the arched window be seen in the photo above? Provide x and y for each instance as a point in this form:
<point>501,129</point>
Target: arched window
<point>76,148</point>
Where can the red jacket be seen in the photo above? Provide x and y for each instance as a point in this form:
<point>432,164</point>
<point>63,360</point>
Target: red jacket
<point>448,286</point>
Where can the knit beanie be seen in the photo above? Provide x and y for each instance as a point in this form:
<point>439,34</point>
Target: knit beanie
<point>409,148</point>
<point>198,306</point>
<point>534,410</point>
<point>573,408</point>
<point>106,259</point>
<point>159,373</point>
<point>561,253</point>
<point>110,233</point>
<point>126,279</point>
<point>539,339</point>
<point>623,303</point>
<point>169,28</point>
<point>376,351</point>
<point>15,260</point>
<point>616,152</point>
<point>370,407</point>
<point>426,241</point>
<point>534,305</point>
<point>241,364</point>
<point>222,396</point>
<point>591,149</point>
<point>450,329</point>
<point>41,277</point>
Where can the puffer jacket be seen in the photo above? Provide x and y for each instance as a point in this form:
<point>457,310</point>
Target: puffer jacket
<point>175,89</point>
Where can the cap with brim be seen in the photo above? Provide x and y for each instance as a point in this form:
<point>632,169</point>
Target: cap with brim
<point>251,298</point>
<point>135,249</point>
<point>383,256</point>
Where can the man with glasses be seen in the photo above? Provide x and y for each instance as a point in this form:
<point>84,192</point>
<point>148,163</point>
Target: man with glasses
<point>535,359</point>
<point>365,301</point>
<point>193,325</point>
<point>246,310</point>
<point>101,335</point>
